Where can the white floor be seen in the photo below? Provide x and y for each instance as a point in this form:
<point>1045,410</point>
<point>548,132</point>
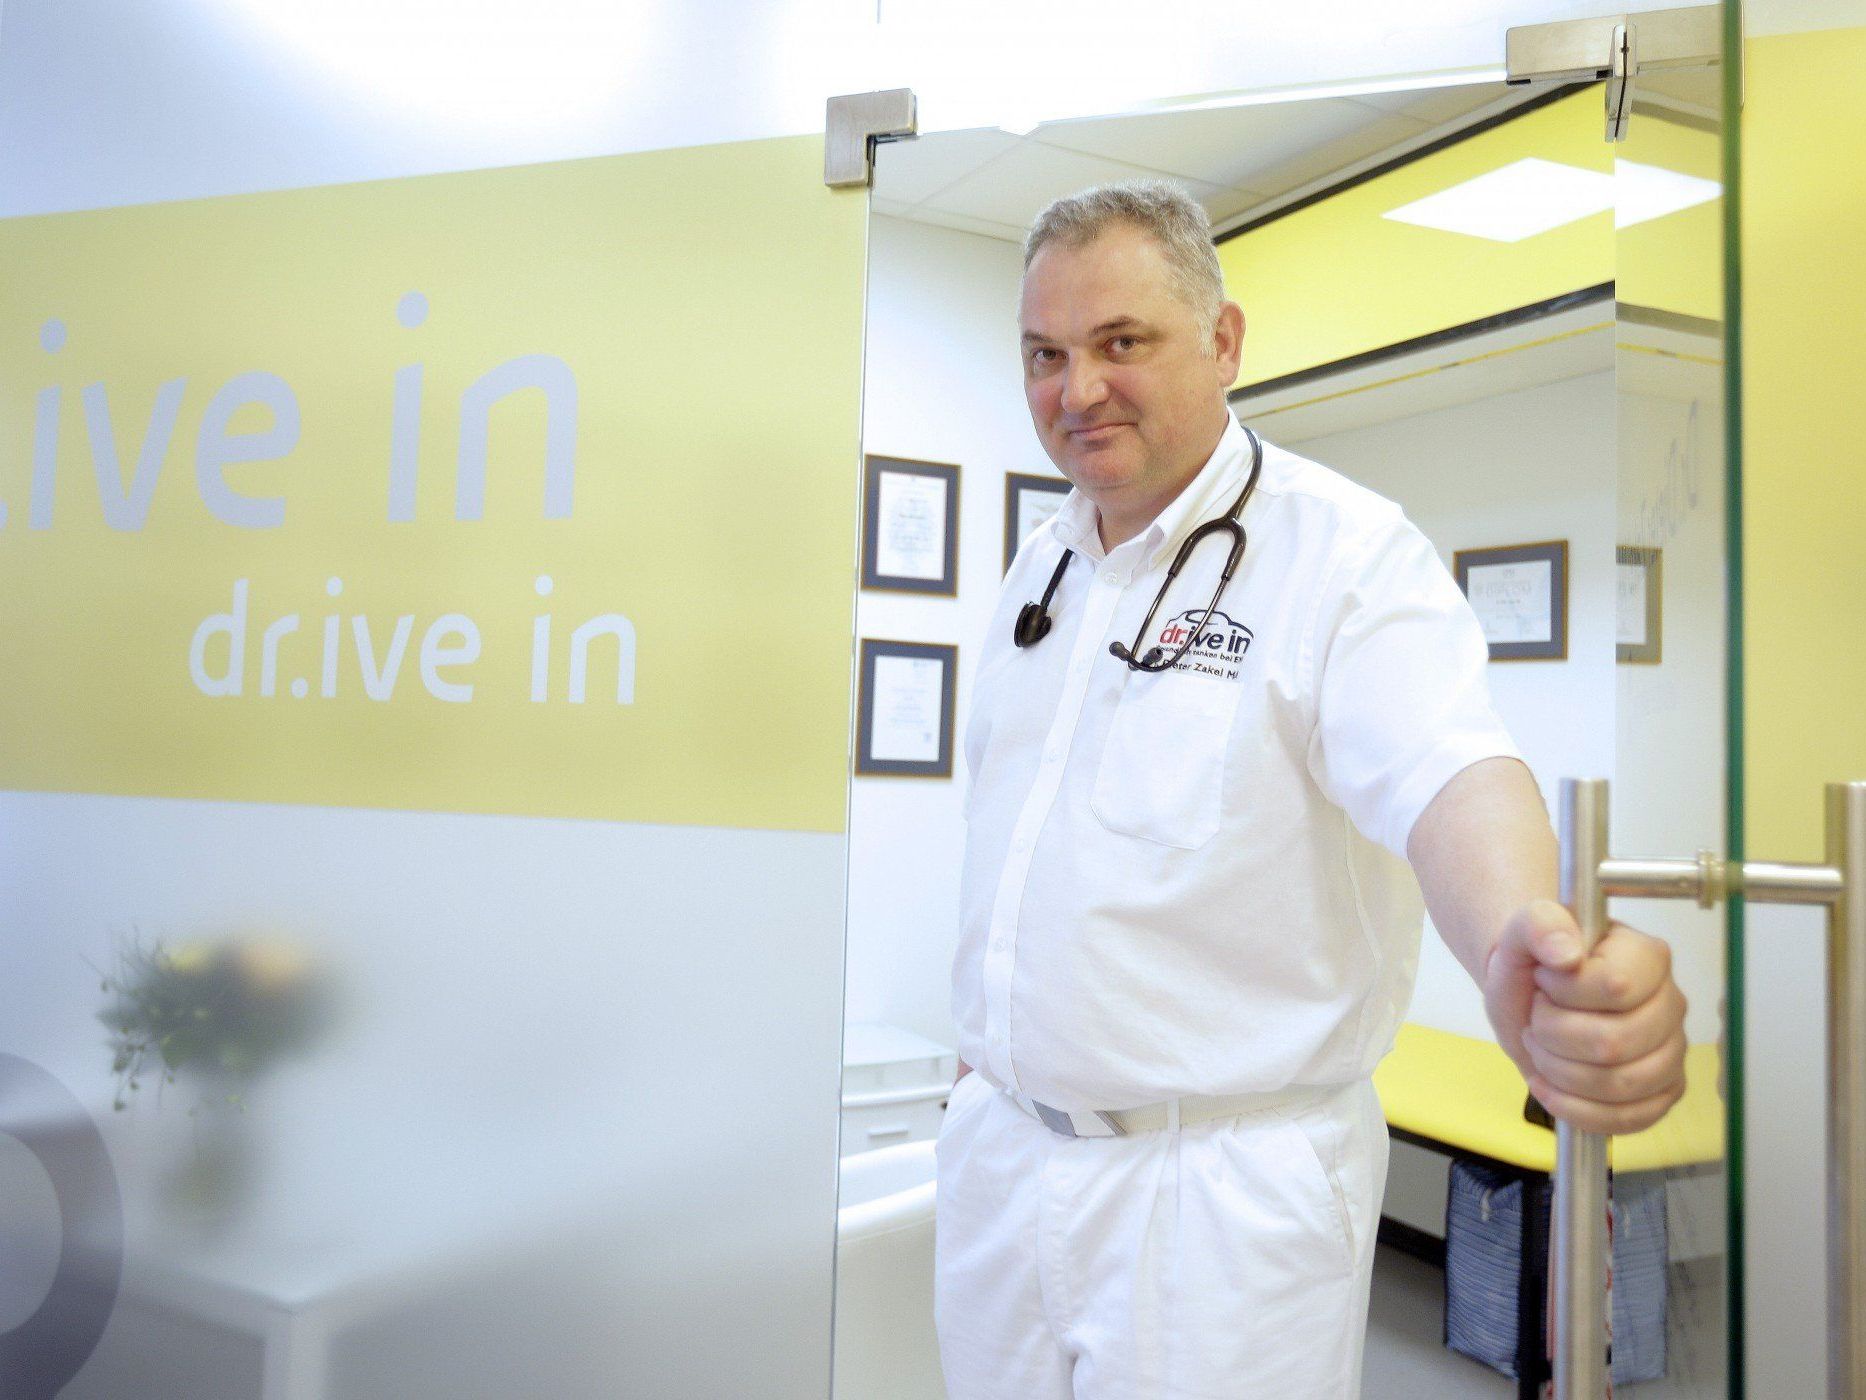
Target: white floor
<point>1406,1355</point>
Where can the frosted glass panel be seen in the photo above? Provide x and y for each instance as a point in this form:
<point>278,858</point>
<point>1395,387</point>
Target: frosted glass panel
<point>422,887</point>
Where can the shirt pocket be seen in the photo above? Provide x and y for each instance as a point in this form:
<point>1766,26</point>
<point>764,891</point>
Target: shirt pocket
<point>1162,769</point>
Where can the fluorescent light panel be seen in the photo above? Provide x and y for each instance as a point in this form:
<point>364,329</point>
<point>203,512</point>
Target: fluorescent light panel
<point>1532,196</point>
<point>1644,192</point>
<point>1513,202</point>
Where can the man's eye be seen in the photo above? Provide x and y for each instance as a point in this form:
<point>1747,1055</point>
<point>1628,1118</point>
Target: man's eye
<point>1121,344</point>
<point>1042,355</point>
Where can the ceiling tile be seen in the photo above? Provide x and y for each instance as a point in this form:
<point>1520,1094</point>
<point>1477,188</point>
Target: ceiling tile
<point>1220,146</point>
<point>1228,204</point>
<point>1373,138</point>
<point>911,171</point>
<point>1013,189</point>
<point>926,214</point>
<point>1435,105</point>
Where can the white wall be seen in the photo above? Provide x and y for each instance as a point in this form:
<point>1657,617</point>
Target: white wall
<point>1576,460</point>
<point>1669,788</point>
<point>1584,460</point>
<point>943,385</point>
<point>1536,464</point>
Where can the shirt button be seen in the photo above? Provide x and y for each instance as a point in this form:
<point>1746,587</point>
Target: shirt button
<point>1023,844</point>
<point>1110,578</point>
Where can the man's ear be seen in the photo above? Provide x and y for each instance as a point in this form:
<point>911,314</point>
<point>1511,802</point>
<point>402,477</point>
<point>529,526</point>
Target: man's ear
<point>1228,342</point>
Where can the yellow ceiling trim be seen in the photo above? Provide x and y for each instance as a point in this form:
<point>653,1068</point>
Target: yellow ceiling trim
<point>1666,354</point>
<point>1411,375</point>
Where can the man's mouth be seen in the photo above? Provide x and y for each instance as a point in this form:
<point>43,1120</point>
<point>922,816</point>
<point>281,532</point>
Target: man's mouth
<point>1100,432</point>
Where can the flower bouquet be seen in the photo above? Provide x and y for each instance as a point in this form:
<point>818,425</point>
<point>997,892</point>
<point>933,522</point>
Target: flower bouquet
<point>218,1013</point>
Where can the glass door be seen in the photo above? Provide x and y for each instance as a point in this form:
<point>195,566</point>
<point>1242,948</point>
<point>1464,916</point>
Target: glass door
<point>1677,774</point>
<point>1468,301</point>
<point>1553,421</point>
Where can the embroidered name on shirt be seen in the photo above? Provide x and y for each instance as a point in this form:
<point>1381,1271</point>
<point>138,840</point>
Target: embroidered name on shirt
<point>1216,650</point>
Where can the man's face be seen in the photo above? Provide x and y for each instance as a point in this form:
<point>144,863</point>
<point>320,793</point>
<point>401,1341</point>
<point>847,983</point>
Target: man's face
<point>1126,394</point>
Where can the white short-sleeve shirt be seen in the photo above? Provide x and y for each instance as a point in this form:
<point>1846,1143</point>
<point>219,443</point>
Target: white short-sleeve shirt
<point>1193,882</point>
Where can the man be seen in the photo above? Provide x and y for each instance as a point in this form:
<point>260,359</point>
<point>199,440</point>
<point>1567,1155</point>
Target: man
<point>1188,933</point>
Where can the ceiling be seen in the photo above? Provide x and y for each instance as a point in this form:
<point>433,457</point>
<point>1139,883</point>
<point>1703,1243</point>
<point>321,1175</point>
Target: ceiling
<point>1245,161</point>
<point>1238,161</point>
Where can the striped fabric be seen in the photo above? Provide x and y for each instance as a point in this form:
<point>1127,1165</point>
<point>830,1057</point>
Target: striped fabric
<point>1483,1244</point>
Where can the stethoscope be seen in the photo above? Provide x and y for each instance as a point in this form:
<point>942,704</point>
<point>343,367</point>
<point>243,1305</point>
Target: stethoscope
<point>1033,619</point>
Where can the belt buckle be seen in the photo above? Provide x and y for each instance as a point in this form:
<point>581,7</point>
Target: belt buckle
<point>1055,1119</point>
<point>1063,1123</point>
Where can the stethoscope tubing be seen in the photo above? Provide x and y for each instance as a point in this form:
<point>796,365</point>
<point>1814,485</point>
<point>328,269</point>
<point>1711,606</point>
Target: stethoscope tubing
<point>1033,619</point>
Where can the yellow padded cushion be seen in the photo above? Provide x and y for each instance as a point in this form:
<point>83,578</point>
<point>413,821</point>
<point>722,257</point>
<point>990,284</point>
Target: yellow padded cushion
<point>1466,1094</point>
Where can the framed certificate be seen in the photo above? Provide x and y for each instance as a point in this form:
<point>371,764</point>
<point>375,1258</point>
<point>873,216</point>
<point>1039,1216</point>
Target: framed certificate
<point>910,526</point>
<point>1520,596</point>
<point>1637,610</point>
<point>905,715</point>
<point>1028,502</point>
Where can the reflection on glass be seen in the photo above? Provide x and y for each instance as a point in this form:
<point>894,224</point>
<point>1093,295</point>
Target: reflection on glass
<point>1509,384</point>
<point>1671,789</point>
<point>204,1023</point>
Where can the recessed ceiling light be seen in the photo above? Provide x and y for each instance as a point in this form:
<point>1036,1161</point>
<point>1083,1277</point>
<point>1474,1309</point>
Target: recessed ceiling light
<point>1642,192</point>
<point>1513,202</point>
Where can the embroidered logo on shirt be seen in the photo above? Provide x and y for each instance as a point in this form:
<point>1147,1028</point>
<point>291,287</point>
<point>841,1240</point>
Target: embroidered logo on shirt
<point>1216,650</point>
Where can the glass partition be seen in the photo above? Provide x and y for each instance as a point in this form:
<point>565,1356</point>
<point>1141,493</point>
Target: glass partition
<point>1677,777</point>
<point>1470,302</point>
<point>421,853</point>
<point>1792,386</point>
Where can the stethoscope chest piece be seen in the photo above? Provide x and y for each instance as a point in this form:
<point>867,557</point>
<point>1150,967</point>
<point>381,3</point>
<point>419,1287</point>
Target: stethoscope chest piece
<point>1033,625</point>
<point>1033,619</point>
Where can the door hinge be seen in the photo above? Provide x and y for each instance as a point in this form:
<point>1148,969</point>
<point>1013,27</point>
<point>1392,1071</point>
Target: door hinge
<point>1616,49</point>
<point>855,122</point>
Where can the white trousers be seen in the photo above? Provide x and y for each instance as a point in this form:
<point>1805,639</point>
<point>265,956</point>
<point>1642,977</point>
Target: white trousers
<point>1229,1259</point>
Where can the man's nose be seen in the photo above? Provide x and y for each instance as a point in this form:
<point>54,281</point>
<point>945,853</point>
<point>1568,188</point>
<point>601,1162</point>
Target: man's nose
<point>1083,386</point>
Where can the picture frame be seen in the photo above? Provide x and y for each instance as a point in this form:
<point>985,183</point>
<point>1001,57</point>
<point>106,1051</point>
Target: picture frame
<point>910,526</point>
<point>1638,605</point>
<point>1520,595</point>
<point>1028,501</point>
<point>904,713</point>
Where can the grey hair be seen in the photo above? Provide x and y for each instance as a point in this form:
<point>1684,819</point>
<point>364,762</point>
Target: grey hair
<point>1177,222</point>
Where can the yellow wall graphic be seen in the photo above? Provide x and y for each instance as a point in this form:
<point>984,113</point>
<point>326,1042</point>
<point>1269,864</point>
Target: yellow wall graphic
<point>1804,493</point>
<point>525,490</point>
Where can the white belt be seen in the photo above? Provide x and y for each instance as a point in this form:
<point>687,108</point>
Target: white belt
<point>1172,1114</point>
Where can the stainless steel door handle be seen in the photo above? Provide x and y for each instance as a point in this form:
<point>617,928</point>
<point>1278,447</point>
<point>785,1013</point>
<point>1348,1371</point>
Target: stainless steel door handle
<point>1588,876</point>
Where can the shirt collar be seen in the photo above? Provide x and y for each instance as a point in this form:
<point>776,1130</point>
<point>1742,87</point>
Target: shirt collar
<point>1076,525</point>
<point>1205,495</point>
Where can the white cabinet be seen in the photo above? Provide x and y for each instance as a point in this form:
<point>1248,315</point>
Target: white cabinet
<point>894,1086</point>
